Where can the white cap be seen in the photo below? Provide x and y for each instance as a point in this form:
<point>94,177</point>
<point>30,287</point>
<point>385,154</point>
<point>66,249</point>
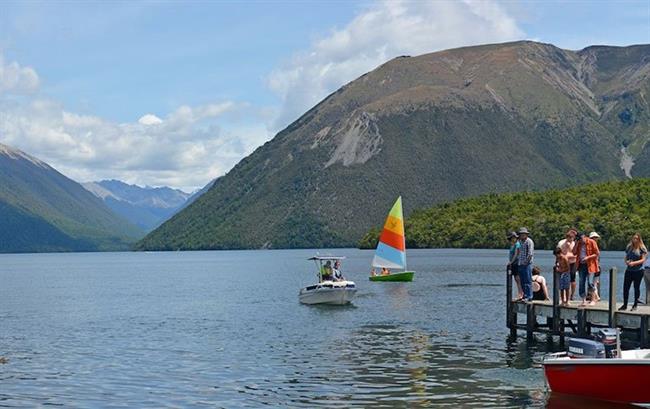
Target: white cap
<point>594,235</point>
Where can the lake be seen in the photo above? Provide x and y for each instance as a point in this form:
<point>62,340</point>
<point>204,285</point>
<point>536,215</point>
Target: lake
<point>225,329</point>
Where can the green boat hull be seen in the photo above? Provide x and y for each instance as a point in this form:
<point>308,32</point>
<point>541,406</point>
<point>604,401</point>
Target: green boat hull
<point>405,276</point>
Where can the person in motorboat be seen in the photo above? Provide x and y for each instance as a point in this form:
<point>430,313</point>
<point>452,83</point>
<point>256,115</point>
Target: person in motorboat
<point>540,291</point>
<point>563,268</point>
<point>587,253</point>
<point>336,272</point>
<point>635,256</point>
<point>512,262</point>
<point>326,271</point>
<point>385,271</point>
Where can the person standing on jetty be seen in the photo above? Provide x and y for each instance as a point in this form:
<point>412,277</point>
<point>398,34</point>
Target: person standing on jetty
<point>635,256</point>
<point>525,263</point>
<point>567,245</point>
<point>562,268</point>
<point>515,245</point>
<point>596,294</point>
<point>587,253</point>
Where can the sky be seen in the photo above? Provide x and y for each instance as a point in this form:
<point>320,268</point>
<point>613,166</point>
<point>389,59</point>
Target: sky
<point>171,93</point>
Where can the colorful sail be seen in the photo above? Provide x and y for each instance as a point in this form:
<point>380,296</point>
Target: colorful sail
<point>391,249</point>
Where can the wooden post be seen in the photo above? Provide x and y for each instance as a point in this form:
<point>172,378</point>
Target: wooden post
<point>555,329</point>
<point>582,322</point>
<point>511,314</point>
<point>531,320</point>
<point>612,297</point>
<point>643,331</point>
<point>646,278</point>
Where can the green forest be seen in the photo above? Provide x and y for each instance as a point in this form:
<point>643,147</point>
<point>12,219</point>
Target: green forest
<point>614,209</point>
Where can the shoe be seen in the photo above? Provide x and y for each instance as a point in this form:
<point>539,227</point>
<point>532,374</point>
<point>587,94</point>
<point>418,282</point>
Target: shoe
<point>633,308</point>
<point>623,307</point>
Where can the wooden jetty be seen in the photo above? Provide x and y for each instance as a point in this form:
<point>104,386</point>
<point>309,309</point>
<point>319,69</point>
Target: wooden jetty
<point>574,319</point>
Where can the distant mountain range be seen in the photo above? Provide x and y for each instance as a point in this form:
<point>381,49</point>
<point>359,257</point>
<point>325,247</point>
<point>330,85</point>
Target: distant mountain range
<point>146,207</point>
<point>433,128</point>
<point>42,210</point>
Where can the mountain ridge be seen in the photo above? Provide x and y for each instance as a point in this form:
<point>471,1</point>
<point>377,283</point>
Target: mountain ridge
<point>43,210</point>
<point>146,207</point>
<point>432,128</point>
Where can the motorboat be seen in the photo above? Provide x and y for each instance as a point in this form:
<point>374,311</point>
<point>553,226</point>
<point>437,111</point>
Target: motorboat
<point>598,369</point>
<point>331,288</point>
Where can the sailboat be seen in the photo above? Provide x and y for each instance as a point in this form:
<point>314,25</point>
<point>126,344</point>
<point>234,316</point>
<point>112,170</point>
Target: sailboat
<point>391,249</point>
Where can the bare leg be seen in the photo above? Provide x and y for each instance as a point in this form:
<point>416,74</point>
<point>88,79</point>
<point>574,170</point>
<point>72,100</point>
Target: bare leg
<point>520,292</point>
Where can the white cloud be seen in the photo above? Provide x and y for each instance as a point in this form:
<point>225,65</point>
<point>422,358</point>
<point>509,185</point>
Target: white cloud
<point>385,30</point>
<point>149,119</point>
<point>187,148</point>
<point>16,79</point>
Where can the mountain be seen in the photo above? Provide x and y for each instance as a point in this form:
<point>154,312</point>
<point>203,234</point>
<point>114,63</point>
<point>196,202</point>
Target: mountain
<point>146,207</point>
<point>433,128</point>
<point>42,210</point>
<point>198,194</point>
<point>612,209</point>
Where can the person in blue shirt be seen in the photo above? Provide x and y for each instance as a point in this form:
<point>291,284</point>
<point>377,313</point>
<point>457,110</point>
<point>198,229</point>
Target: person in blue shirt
<point>515,245</point>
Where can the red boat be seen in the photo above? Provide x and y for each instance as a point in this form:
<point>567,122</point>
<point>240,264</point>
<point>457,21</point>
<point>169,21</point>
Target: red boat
<point>619,379</point>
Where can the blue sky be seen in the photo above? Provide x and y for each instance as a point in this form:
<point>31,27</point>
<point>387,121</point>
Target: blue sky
<point>177,92</point>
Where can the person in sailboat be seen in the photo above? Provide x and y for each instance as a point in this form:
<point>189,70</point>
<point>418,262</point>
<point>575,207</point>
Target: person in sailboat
<point>326,271</point>
<point>385,271</point>
<point>336,272</point>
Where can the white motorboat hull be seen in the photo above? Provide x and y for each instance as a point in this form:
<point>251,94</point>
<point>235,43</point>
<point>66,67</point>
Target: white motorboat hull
<point>328,292</point>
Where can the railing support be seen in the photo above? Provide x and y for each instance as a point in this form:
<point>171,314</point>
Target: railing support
<point>556,303</point>
<point>511,314</point>
<point>612,297</point>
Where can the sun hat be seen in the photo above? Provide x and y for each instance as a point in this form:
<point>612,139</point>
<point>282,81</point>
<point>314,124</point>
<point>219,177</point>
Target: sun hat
<point>512,234</point>
<point>523,230</point>
<point>594,235</point>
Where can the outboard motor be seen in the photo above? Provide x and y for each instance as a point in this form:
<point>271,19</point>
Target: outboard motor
<point>585,348</point>
<point>609,338</point>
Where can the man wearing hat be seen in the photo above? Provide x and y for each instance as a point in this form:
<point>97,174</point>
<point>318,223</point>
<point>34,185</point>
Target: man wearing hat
<point>525,262</point>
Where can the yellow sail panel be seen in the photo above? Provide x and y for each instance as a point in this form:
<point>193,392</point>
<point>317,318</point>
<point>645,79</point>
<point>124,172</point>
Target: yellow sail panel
<point>395,225</point>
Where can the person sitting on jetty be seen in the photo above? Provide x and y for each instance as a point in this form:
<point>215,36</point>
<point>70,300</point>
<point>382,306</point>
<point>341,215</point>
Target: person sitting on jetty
<point>635,256</point>
<point>587,253</point>
<point>540,291</point>
<point>563,268</point>
<point>515,245</point>
<point>326,271</point>
<point>595,296</point>
<point>567,245</point>
<point>525,263</point>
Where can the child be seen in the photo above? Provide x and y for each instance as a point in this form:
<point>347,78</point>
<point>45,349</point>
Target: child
<point>562,267</point>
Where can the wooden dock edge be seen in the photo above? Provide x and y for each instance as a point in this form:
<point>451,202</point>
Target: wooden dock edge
<point>579,320</point>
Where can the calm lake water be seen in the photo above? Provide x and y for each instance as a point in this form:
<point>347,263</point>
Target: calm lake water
<point>225,329</point>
